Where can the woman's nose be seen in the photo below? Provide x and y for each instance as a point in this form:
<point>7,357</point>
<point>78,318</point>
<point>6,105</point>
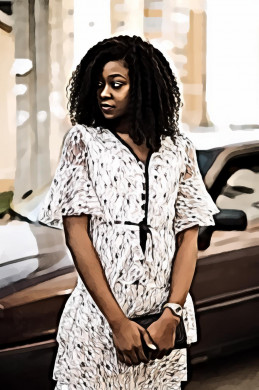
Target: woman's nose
<point>105,92</point>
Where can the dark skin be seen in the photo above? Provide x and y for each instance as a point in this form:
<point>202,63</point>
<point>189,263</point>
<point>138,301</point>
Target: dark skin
<point>113,99</point>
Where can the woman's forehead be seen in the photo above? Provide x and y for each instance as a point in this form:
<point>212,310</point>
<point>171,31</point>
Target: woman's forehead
<point>115,68</point>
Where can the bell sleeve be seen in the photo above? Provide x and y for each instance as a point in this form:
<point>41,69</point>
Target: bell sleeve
<point>71,191</point>
<point>193,205</point>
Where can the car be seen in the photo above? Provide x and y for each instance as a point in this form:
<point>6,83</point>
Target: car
<point>225,288</point>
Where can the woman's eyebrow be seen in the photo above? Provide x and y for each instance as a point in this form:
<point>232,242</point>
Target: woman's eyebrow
<point>117,75</point>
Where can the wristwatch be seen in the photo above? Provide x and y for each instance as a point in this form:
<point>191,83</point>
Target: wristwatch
<point>175,308</point>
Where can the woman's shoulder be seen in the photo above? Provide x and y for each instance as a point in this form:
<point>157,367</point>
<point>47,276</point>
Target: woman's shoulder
<point>79,133</point>
<point>183,141</point>
<point>180,143</point>
<point>76,142</point>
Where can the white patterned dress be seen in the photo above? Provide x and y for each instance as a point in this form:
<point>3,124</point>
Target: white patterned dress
<point>100,175</point>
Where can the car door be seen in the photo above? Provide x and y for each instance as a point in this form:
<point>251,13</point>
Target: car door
<point>226,283</point>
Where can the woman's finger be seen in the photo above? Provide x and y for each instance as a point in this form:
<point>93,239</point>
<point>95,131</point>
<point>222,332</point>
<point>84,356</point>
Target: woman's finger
<point>127,360</point>
<point>153,355</point>
<point>134,358</point>
<point>141,355</point>
<point>168,352</point>
<point>148,340</point>
<point>120,356</point>
<point>161,354</point>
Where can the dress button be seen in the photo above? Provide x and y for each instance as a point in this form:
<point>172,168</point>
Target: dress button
<point>143,196</point>
<point>143,207</point>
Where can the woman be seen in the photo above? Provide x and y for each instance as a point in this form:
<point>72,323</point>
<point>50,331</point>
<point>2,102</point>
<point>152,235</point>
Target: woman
<point>129,194</point>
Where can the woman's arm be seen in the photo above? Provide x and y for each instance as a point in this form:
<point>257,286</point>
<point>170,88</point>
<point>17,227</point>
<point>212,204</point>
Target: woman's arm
<point>89,267</point>
<point>126,333</point>
<point>184,265</point>
<point>163,330</point>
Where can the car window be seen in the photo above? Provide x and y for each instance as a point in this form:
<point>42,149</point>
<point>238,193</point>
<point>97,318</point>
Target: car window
<point>242,193</point>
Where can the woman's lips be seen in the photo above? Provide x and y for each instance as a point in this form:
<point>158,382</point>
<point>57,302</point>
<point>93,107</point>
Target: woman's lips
<point>106,107</point>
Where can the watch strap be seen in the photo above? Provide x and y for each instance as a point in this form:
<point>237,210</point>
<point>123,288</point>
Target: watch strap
<point>175,308</point>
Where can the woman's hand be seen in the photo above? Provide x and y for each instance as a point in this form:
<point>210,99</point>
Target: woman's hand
<point>127,337</point>
<point>162,333</point>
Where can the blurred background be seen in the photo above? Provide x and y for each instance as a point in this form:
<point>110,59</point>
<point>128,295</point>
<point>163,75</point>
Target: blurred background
<point>212,46</point>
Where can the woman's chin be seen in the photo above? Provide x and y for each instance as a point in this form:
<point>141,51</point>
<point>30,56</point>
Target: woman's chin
<point>109,116</point>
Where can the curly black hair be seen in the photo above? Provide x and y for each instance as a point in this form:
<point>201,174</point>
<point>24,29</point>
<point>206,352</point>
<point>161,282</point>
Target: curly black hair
<point>154,94</point>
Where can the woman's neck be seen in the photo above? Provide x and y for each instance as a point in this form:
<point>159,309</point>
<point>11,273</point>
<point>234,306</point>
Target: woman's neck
<point>119,125</point>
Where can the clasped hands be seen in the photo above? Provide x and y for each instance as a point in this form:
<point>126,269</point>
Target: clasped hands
<point>129,337</point>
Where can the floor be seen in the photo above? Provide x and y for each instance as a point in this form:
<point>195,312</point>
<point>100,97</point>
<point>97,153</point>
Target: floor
<point>236,372</point>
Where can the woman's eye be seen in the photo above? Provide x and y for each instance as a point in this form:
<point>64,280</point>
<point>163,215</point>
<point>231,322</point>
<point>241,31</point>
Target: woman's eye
<point>116,84</point>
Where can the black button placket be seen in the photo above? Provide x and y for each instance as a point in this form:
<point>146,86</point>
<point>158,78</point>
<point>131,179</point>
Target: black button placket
<point>144,228</point>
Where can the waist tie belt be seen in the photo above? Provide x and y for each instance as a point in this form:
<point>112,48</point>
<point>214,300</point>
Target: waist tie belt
<point>143,230</point>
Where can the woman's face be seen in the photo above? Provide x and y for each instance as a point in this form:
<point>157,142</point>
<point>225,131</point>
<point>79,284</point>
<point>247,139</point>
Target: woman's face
<point>113,90</point>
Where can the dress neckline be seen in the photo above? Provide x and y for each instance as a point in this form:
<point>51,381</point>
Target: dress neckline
<point>150,152</point>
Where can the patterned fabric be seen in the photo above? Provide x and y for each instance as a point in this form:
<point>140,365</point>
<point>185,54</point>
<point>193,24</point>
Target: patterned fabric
<point>99,175</point>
